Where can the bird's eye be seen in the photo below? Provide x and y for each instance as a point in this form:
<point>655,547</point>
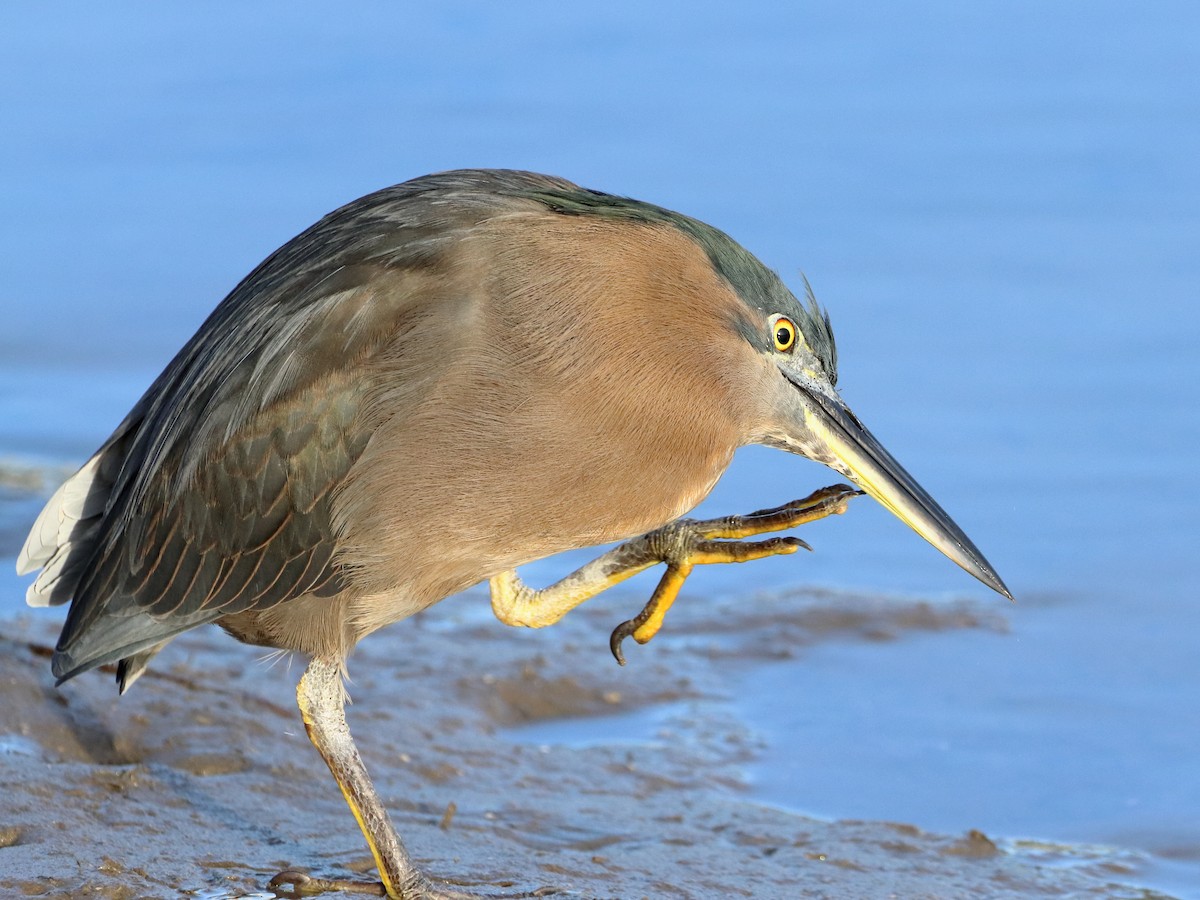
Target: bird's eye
<point>784,334</point>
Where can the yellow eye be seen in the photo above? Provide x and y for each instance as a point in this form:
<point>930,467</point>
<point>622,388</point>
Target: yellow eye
<point>784,334</point>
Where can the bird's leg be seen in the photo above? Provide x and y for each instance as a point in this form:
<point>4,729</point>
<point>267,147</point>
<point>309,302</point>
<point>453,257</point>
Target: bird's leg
<point>682,545</point>
<point>321,697</point>
<point>708,541</point>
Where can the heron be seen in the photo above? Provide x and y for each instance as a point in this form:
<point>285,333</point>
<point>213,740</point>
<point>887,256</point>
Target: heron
<point>430,387</point>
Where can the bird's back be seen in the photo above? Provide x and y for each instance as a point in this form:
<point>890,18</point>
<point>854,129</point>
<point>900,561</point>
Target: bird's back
<point>218,496</point>
<point>213,495</point>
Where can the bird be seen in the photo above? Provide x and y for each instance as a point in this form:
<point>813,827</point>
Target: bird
<point>430,387</point>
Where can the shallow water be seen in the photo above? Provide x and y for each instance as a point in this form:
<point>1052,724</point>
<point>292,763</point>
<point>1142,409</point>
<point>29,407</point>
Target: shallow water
<point>998,203</point>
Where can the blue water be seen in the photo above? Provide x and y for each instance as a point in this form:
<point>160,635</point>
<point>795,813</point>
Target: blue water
<point>999,203</point>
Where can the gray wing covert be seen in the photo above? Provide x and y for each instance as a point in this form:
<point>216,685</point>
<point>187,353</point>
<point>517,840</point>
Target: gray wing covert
<point>217,490</point>
<point>226,522</point>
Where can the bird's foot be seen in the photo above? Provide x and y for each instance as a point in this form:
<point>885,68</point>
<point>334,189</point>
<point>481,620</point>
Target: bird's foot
<point>682,545</point>
<point>292,884</point>
<point>687,543</point>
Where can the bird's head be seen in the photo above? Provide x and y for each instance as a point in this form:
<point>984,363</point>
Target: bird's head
<point>804,414</point>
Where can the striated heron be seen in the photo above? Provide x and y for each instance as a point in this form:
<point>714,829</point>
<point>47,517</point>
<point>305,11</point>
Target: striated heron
<point>428,388</point>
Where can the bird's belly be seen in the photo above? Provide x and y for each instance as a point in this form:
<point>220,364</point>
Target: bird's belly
<point>467,522</point>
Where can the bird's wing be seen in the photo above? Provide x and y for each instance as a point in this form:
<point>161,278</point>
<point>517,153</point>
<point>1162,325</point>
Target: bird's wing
<point>215,494</point>
<point>221,497</point>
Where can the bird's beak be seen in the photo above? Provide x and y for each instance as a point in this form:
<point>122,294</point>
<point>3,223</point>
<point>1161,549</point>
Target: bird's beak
<point>857,454</point>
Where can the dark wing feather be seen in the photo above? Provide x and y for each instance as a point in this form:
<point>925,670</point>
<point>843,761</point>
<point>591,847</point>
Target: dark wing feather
<point>215,495</point>
<point>250,528</point>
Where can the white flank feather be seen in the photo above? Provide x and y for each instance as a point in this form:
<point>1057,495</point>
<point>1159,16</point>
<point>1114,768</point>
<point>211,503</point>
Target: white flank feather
<point>74,502</point>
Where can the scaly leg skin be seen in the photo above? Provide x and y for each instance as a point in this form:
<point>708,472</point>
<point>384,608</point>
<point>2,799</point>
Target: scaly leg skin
<point>682,545</point>
<point>321,697</point>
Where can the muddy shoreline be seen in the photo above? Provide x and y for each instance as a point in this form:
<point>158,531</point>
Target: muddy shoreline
<point>201,782</point>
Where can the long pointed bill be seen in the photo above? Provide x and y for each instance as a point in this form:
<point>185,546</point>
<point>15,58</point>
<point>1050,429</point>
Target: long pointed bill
<point>875,470</point>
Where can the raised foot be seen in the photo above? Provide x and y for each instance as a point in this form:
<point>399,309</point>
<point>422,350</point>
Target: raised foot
<point>681,545</point>
<point>687,543</point>
<point>293,884</point>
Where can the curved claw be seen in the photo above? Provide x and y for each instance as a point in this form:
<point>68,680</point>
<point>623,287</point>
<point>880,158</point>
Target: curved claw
<point>622,631</point>
<point>645,624</point>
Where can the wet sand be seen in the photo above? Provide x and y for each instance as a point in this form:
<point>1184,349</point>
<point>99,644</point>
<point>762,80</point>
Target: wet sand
<point>201,782</point>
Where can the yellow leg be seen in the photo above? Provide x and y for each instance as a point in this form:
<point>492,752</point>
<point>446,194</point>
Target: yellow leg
<point>321,697</point>
<point>646,624</point>
<point>682,545</point>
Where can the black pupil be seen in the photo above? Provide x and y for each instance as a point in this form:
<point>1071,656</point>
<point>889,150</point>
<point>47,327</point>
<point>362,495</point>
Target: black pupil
<point>783,335</point>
